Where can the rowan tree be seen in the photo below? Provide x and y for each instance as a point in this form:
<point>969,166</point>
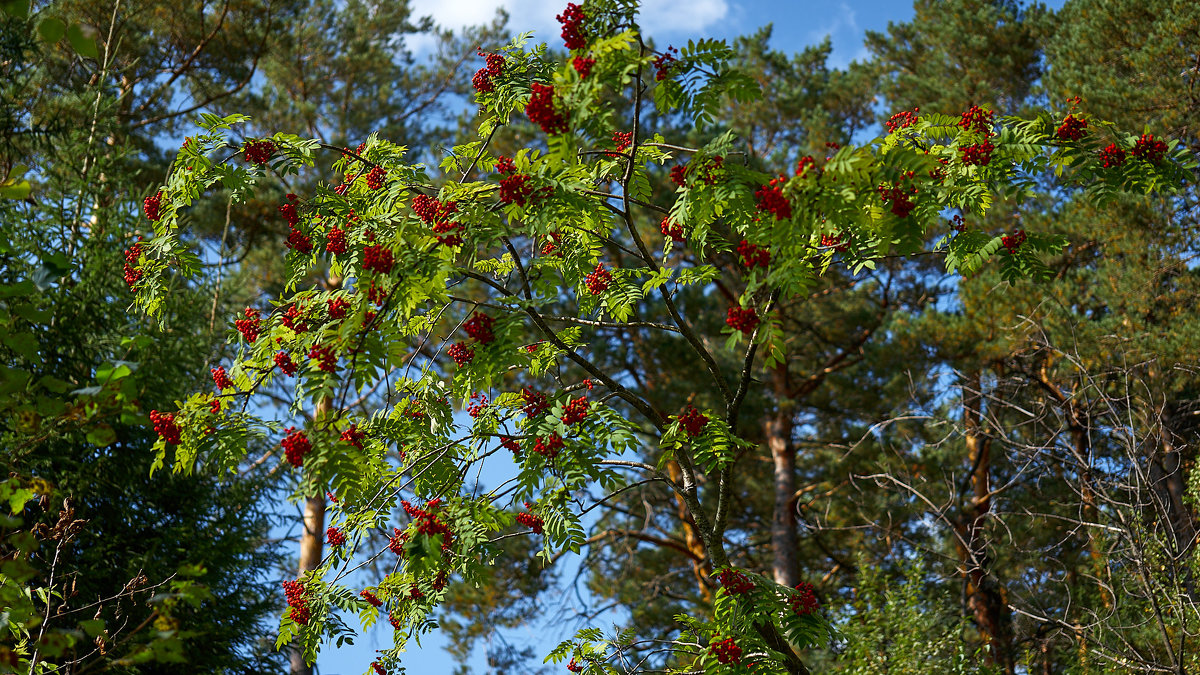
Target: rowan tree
<point>513,289</point>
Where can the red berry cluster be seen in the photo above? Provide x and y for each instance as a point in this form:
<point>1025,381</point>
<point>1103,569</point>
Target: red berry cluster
<point>323,354</point>
<point>511,444</point>
<point>622,139</point>
<point>693,421</point>
<point>754,256</point>
<point>726,651</point>
<point>293,318</point>
<point>599,280</point>
<point>1072,129</point>
<point>371,598</point>
<point>806,162</point>
<point>353,437</point>
<point>376,295</point>
<point>461,353</point>
<point>835,242</point>
<point>478,403</point>
<point>165,426</point>
<point>295,446</point>
<point>251,326</point>
<point>505,166</point>
<point>479,326</point>
<point>978,154</point>
<point>541,111</point>
<point>335,240</point>
<point>583,65</point>
<point>574,667</point>
<point>572,20</point>
<point>533,522</point>
<point>375,177</point>
<point>958,224</point>
<point>337,307</point>
<point>394,620</point>
<point>575,411</point>
<point>1013,242</point>
<point>220,378</point>
<point>214,407</point>
<point>679,174</point>
<point>152,206</point>
<point>745,320</point>
<point>665,63</point>
<point>132,273</point>
<point>428,524</point>
<point>548,446</point>
<point>1149,149</point>
<point>431,210</point>
<point>515,189</point>
<point>978,119</point>
<point>335,537</point>
<point>294,592</point>
<point>805,601</point>
<point>536,402</point>
<point>671,230</point>
<point>899,198</point>
<point>377,259</point>
<point>378,668</point>
<point>258,152</point>
<point>551,246</point>
<point>285,363</point>
<point>299,241</point>
<point>483,80</point>
<point>734,582</point>
<point>902,120</point>
<point>1112,156</point>
<point>771,200</point>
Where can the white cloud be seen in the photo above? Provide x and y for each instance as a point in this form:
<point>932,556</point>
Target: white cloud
<point>662,17</point>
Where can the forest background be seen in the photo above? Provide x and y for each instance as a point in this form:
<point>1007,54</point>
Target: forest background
<point>931,411</point>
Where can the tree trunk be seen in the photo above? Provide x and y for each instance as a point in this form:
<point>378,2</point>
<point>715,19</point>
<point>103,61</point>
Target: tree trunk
<point>777,429</point>
<point>985,597</point>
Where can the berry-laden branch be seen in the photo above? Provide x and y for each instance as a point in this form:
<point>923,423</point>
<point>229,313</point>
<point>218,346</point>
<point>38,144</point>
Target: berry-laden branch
<point>424,266</point>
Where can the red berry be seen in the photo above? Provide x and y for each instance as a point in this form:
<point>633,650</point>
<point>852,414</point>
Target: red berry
<point>1112,156</point>
<point>693,422</point>
<point>902,120</point>
<point>377,259</point>
<point>671,230</point>
<point>221,379</point>
<point>536,402</point>
<point>977,119</point>
<point>335,537</point>
<point>741,319</point>
<point>572,20</point>
<point>165,427</point>
<point>678,174</point>
<point>541,111</point>
<point>479,326</point>
<point>295,446</point>
<point>375,177</point>
<point>337,307</point>
<point>285,363</point>
<point>259,152</point>
<point>575,411</point>
<point>835,242</point>
<point>1072,129</point>
<point>978,154</point>
<point>251,326</point>
<point>806,162</point>
<point>548,446</point>
<point>1014,241</point>
<point>353,436</point>
<point>599,280</point>
<point>805,601</point>
<point>734,582</point>
<point>152,206</point>
<point>582,65</point>
<point>515,189</point>
<point>531,521</point>
<point>726,651</point>
<point>771,200</point>
<point>505,166</point>
<point>753,256</point>
<point>665,63</point>
<point>327,360</point>
<point>371,598</point>
<point>461,353</point>
<point>1149,149</point>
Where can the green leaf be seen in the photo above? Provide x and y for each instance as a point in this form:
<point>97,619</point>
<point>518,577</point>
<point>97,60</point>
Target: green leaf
<point>18,189</point>
<point>17,8</point>
<point>84,46</point>
<point>102,435</point>
<point>52,29</point>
